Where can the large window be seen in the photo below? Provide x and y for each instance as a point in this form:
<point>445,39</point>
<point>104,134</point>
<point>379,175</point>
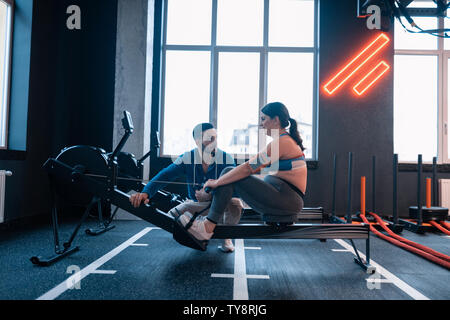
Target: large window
<point>421,91</point>
<point>6,17</point>
<point>223,60</point>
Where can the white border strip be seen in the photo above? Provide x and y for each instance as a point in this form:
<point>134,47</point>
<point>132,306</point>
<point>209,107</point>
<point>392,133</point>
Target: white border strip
<point>92,268</point>
<point>406,288</point>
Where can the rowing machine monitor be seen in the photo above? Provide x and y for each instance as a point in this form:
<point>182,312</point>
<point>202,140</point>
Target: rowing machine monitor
<point>127,121</point>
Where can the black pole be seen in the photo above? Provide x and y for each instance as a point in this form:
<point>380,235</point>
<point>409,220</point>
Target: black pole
<point>419,190</point>
<point>435,200</point>
<point>349,200</point>
<point>395,190</point>
<point>333,206</point>
<point>374,159</point>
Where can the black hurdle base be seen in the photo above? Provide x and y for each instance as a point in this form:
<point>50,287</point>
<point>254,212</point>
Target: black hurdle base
<point>429,214</point>
<point>414,226</point>
<point>183,237</point>
<point>396,228</point>
<point>45,262</point>
<point>99,230</point>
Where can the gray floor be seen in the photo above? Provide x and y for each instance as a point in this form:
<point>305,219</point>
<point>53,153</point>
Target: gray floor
<point>159,268</point>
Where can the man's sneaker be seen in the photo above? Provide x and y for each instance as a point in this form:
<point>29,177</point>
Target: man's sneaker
<point>197,228</point>
<point>227,246</point>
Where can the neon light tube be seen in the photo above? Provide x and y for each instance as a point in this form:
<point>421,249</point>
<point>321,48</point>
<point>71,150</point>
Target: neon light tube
<point>369,79</point>
<point>356,63</point>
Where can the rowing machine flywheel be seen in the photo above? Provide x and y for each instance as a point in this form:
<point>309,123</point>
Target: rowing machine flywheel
<point>85,160</point>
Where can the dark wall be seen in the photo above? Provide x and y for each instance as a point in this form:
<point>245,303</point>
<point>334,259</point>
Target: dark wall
<point>71,99</point>
<point>362,125</point>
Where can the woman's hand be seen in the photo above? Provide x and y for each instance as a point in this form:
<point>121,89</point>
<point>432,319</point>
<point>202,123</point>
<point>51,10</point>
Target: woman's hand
<point>202,196</point>
<point>211,184</point>
<point>137,198</point>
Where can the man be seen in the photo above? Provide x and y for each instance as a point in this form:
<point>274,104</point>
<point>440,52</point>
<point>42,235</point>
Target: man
<point>198,165</point>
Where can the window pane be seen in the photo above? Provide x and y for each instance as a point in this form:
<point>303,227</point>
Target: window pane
<point>415,107</point>
<point>5,30</point>
<point>238,102</point>
<point>186,100</point>
<point>416,41</point>
<point>291,23</point>
<point>291,81</point>
<point>240,23</point>
<point>189,22</point>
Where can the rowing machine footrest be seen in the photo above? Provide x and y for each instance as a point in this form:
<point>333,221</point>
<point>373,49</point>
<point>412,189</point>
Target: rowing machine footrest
<point>182,236</point>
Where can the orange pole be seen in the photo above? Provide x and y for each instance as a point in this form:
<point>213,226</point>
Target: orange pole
<point>428,195</point>
<point>363,195</point>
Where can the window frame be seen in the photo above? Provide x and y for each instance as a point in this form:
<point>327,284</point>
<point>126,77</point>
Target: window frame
<point>215,50</point>
<point>8,78</point>
<point>442,94</point>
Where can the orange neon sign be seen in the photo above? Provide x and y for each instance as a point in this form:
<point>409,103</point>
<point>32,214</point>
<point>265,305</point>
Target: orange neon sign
<point>370,78</point>
<point>355,65</point>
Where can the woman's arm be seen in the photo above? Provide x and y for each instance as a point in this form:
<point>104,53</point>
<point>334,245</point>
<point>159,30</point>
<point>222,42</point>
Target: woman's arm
<point>244,170</point>
<point>240,172</point>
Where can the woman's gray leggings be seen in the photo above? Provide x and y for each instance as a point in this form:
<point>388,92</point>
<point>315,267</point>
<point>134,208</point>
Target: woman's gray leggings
<point>272,197</point>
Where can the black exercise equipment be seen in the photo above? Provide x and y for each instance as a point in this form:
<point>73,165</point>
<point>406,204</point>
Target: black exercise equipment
<point>396,226</point>
<point>419,214</point>
<point>307,214</point>
<point>93,161</point>
<point>349,218</point>
<point>391,223</point>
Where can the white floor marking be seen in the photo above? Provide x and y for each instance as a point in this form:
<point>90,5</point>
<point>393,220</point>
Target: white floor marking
<point>340,250</point>
<point>413,293</point>
<point>240,276</point>
<point>139,245</point>
<point>92,268</point>
<point>378,280</point>
<point>103,272</point>
<point>247,248</point>
<point>249,276</point>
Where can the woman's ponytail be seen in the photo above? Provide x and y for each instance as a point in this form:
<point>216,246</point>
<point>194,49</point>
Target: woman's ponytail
<point>293,132</point>
<point>277,109</point>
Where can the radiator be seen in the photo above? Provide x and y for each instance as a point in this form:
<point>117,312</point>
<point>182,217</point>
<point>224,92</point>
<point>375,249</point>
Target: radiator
<point>444,193</point>
<point>3,175</point>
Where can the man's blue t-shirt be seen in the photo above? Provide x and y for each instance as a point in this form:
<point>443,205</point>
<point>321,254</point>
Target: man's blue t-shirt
<point>190,165</point>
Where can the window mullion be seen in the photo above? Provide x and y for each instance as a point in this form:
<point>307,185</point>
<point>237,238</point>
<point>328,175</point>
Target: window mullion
<point>214,67</point>
<point>441,92</point>
<point>443,123</point>
<point>163,79</point>
<point>264,57</point>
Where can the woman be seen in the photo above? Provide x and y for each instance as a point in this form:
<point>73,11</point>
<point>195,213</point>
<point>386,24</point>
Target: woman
<point>279,197</point>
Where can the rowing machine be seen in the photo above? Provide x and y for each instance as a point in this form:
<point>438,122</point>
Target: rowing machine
<point>161,219</point>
